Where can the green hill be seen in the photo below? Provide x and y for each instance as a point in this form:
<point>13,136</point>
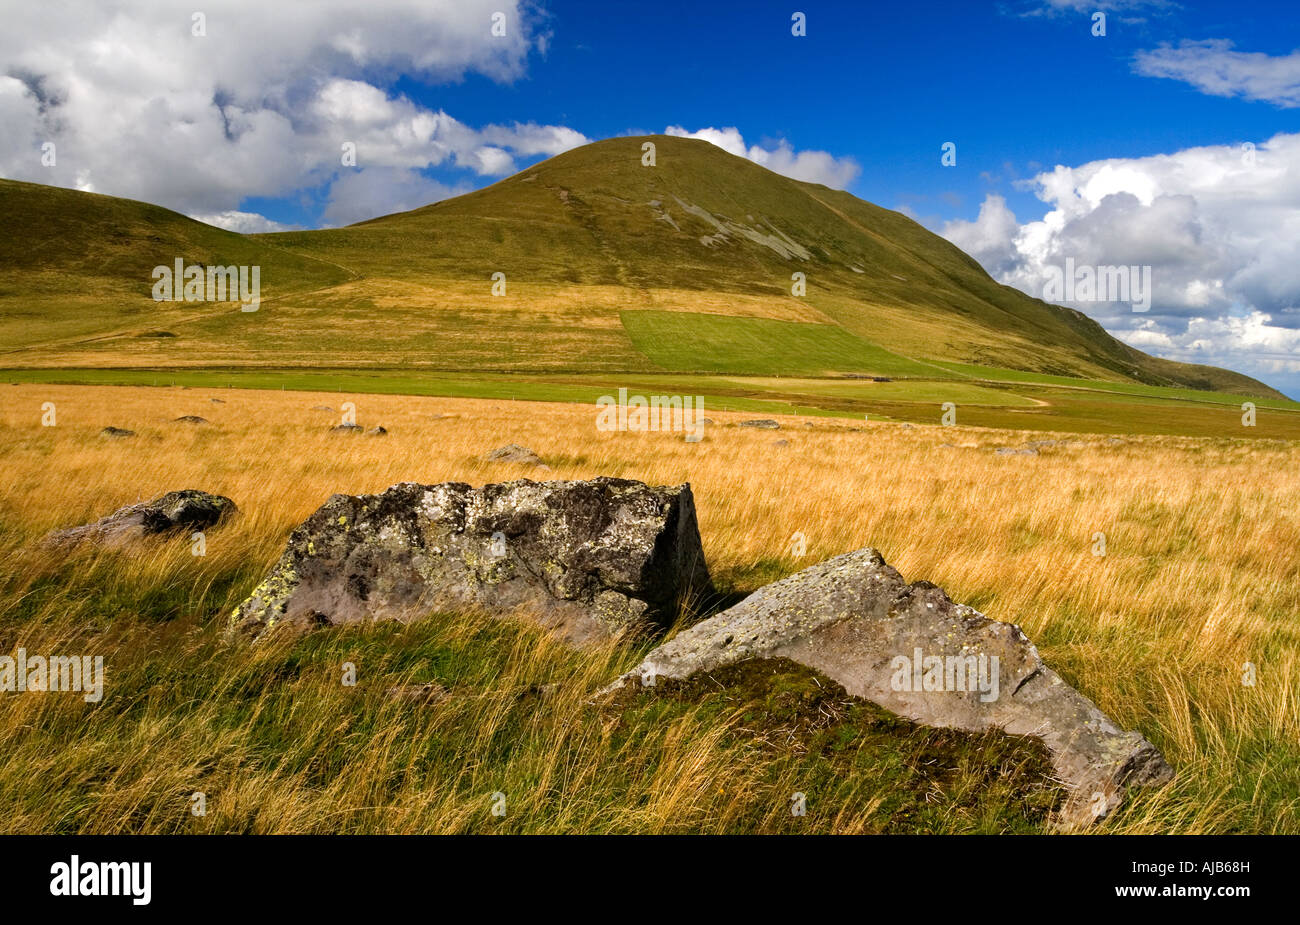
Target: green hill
<point>79,265</point>
<point>609,267</point>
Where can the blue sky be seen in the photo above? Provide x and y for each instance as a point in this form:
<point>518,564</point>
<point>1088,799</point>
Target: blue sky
<point>1018,87</point>
<point>1117,149</point>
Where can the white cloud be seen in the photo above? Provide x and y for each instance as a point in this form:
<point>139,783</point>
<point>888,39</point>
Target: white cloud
<point>372,191</point>
<point>990,238</point>
<point>810,166</point>
<point>243,222</point>
<point>396,132</point>
<point>137,106</point>
<point>1058,7</point>
<point>1220,227</point>
<point>1213,67</point>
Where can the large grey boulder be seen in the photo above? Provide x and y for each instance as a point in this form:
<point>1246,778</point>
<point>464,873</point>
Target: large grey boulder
<point>589,559</point>
<point>185,510</point>
<point>910,649</point>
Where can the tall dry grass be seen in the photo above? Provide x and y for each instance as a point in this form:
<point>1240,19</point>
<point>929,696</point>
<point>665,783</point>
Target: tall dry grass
<point>1201,575</point>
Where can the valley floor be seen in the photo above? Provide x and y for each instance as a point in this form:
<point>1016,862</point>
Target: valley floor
<point>980,396</point>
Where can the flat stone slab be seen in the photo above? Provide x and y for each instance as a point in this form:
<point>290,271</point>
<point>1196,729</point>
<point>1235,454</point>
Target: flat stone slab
<point>910,649</point>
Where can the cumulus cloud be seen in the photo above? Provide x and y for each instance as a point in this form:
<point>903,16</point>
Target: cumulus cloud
<point>261,105</point>
<point>374,191</point>
<point>243,222</point>
<point>810,166</point>
<point>1214,67</point>
<point>1219,226</point>
<point>990,239</point>
<point>392,131</point>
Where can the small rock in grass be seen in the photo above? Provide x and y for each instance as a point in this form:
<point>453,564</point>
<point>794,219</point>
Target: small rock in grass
<point>430,692</point>
<point>188,509</point>
<point>514,453</point>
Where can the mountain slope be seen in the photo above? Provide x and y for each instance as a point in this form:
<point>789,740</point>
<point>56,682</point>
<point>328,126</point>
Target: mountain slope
<point>704,221</point>
<point>80,265</point>
<point>609,265</point>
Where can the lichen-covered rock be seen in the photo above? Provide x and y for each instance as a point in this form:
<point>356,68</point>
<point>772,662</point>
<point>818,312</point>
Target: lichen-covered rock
<point>589,559</point>
<point>910,649</point>
<point>187,509</point>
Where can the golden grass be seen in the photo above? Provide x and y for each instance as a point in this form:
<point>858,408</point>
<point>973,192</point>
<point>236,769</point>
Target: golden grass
<point>578,325</point>
<point>1201,575</point>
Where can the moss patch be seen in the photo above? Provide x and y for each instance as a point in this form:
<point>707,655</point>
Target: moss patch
<point>922,778</point>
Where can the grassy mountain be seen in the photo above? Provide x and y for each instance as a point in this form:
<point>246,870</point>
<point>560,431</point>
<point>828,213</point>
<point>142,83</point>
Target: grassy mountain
<point>704,233</point>
<point>609,266</point>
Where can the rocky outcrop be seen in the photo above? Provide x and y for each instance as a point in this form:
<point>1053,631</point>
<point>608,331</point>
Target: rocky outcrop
<point>910,649</point>
<point>589,559</point>
<point>185,510</point>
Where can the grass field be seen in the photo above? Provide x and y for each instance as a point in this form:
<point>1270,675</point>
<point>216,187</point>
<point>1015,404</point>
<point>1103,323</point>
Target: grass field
<point>1200,577</point>
<point>693,342</point>
<point>987,400</point>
